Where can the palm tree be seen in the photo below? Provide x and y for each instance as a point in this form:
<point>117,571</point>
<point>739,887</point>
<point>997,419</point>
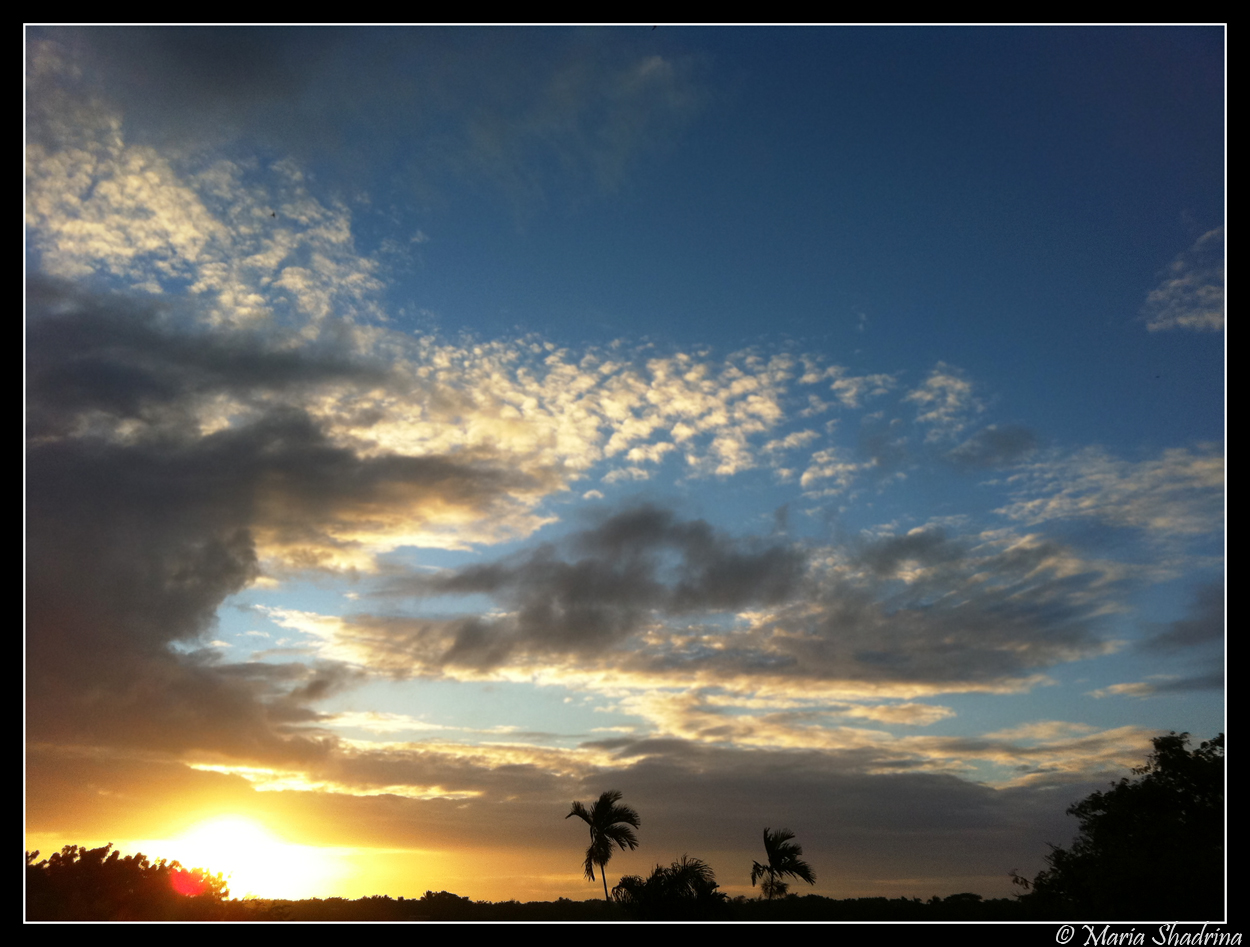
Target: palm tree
<point>783,859</point>
<point>609,824</point>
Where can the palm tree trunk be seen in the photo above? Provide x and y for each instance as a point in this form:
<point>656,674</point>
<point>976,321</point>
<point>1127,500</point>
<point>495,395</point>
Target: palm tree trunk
<point>604,875</point>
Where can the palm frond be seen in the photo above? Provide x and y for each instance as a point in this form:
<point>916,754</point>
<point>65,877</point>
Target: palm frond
<point>622,836</point>
<point>757,871</point>
<point>801,870</point>
<point>775,844</point>
<point>783,859</point>
<point>690,876</point>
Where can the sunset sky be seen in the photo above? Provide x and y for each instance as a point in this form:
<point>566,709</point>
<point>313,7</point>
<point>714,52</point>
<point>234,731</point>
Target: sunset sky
<point>810,428</point>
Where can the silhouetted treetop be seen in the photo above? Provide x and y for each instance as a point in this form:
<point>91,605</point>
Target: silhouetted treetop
<point>1150,847</point>
<point>685,890</point>
<point>98,884</point>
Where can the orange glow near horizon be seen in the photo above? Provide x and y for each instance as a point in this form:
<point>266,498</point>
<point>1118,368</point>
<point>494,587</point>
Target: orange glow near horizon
<point>254,860</point>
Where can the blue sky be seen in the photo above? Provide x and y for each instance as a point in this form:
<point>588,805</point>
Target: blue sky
<point>818,426</point>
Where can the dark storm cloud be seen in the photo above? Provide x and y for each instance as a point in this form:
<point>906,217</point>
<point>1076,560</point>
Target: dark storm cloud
<point>994,447</point>
<point>923,608</point>
<point>120,358</point>
<point>139,524</point>
<point>616,576</point>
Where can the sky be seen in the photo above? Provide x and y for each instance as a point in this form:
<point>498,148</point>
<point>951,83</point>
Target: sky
<point>806,428</point>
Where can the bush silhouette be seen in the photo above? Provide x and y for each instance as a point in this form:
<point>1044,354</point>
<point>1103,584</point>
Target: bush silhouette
<point>684,891</point>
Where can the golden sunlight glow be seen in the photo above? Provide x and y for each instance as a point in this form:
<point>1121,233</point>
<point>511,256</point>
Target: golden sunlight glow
<point>254,860</point>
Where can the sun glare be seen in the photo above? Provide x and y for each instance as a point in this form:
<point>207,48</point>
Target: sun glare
<point>254,860</point>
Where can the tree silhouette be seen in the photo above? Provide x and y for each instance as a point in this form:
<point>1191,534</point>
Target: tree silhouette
<point>97,884</point>
<point>609,825</point>
<point>684,891</point>
<point>783,859</point>
<point>1149,847</point>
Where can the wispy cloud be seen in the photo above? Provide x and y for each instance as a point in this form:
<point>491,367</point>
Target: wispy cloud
<point>1178,494</point>
<point>1163,684</point>
<point>1191,295</point>
<point>1194,645</point>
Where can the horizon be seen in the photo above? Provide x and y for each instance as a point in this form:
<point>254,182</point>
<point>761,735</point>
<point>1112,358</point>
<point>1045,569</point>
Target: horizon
<point>428,428</point>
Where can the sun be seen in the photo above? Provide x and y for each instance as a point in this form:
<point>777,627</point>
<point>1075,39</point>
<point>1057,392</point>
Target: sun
<point>255,861</point>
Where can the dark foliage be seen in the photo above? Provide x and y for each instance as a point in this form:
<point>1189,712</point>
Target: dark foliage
<point>443,906</point>
<point>684,891</point>
<point>1151,847</point>
<point>97,884</point>
<point>813,907</point>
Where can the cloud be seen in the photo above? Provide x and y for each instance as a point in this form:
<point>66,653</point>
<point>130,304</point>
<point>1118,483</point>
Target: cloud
<point>1191,295</point>
<point>645,601</point>
<point>109,209</point>
<point>250,249</point>
<point>633,564</point>
<point>167,466</point>
<point>1196,640</point>
<point>243,412</point>
<point>226,413</point>
<point>994,447</point>
<point>850,390</point>
<point>1045,731</point>
<point>944,402</point>
<point>484,106</point>
<point>833,467</point>
<point>1178,494</point>
<point>175,459</point>
<point>1164,684</point>
<point>1204,627</point>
